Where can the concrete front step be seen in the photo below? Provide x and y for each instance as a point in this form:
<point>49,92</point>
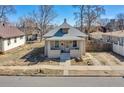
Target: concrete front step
<point>64,57</point>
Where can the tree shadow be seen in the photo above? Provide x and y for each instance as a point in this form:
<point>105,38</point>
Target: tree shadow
<point>37,56</point>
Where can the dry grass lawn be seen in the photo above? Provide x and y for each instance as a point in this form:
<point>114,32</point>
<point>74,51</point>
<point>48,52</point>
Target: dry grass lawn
<point>96,73</point>
<point>102,58</point>
<point>31,72</point>
<point>108,58</point>
<point>84,61</point>
<point>29,54</point>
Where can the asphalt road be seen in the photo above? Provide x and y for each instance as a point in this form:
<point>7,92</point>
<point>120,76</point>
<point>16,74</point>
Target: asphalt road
<point>28,81</point>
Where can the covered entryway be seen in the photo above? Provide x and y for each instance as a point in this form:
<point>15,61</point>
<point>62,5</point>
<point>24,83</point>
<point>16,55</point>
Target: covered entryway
<point>65,46</point>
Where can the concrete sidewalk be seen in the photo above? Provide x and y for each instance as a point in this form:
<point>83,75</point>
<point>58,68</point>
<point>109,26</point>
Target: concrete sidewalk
<point>62,67</point>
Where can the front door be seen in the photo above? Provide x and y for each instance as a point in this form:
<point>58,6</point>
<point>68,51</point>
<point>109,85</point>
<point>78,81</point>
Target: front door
<point>65,47</point>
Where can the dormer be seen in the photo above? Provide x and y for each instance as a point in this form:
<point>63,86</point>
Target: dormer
<point>65,28</point>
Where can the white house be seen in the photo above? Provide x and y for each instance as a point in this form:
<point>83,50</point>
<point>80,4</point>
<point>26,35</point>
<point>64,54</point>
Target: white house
<point>10,37</point>
<point>115,38</point>
<point>64,40</point>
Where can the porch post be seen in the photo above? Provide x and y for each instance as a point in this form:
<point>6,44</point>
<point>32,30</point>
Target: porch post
<point>82,47</point>
<point>45,48</point>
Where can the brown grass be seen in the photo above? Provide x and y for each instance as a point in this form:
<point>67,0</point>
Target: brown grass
<point>31,72</point>
<point>107,58</point>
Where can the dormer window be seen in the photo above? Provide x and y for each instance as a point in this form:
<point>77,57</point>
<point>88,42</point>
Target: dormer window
<point>65,30</point>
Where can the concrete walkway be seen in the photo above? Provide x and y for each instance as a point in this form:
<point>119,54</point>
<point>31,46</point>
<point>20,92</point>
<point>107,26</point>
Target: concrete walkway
<point>65,62</point>
<point>66,66</point>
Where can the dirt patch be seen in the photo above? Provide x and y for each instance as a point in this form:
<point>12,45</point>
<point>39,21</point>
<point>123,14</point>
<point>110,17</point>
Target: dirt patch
<point>84,61</point>
<point>107,58</point>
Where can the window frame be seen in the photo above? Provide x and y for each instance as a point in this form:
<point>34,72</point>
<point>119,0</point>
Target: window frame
<point>56,44</point>
<point>74,45</point>
<point>15,40</point>
<point>21,37</point>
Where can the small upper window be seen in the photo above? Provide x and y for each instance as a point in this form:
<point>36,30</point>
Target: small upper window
<point>65,30</point>
<point>21,37</point>
<point>9,41</point>
<point>15,40</point>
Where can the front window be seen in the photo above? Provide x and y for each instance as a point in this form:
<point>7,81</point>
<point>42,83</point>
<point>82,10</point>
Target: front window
<point>21,37</point>
<point>15,40</point>
<point>74,43</point>
<point>56,44</point>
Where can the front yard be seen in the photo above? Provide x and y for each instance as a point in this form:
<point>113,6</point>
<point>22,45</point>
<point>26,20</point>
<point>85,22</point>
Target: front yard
<point>29,54</point>
<point>99,59</point>
<point>32,54</point>
<point>108,58</point>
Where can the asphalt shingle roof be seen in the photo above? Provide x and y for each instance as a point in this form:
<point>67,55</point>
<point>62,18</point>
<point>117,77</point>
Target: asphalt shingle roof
<point>71,31</point>
<point>7,31</point>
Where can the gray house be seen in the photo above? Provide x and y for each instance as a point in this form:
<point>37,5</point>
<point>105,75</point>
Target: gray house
<point>64,40</point>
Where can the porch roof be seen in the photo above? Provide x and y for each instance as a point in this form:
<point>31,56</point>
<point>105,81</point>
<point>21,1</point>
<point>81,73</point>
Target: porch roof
<point>65,38</point>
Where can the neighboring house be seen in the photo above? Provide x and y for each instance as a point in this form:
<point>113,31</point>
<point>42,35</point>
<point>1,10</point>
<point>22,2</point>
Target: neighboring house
<point>96,35</point>
<point>31,35</point>
<point>63,40</point>
<point>115,38</point>
<point>29,27</point>
<point>10,37</point>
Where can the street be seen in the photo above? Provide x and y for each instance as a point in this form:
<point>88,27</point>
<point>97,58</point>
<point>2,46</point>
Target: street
<point>28,81</point>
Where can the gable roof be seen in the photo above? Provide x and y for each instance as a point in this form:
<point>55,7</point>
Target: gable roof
<point>7,31</point>
<point>71,31</point>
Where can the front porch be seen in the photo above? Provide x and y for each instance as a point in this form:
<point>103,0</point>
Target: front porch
<point>55,48</point>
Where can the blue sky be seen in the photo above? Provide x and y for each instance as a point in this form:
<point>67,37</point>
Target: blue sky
<point>64,11</point>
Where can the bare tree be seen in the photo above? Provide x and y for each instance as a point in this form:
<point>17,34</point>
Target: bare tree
<point>89,14</point>
<point>27,25</point>
<point>104,21</point>
<point>120,21</point>
<point>43,17</point>
<point>79,16</point>
<point>92,13</point>
<point>6,10</point>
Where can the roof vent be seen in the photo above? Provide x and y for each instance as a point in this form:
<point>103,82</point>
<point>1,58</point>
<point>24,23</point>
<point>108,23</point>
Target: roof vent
<point>65,20</point>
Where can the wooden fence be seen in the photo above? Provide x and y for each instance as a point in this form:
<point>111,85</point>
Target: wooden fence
<point>97,45</point>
